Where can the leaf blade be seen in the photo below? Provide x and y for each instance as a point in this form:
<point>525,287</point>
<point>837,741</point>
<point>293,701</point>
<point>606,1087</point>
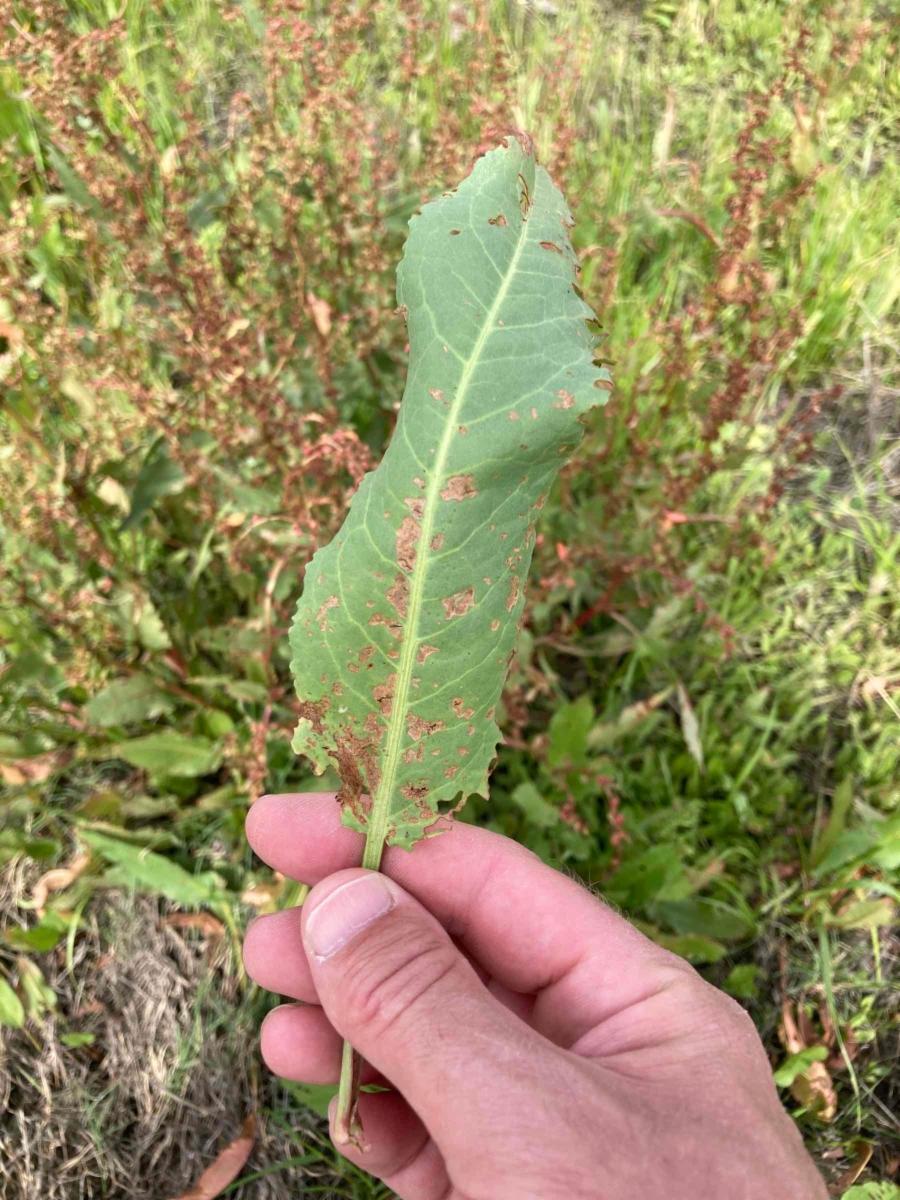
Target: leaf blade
<point>408,621</point>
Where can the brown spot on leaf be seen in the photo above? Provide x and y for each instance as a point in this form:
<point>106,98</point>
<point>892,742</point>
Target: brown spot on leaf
<point>461,751</point>
<point>419,482</point>
<point>534,414</point>
<point>353,668</point>
<point>394,628</point>
<point>498,220</point>
<point>357,763</point>
<point>463,429</point>
<point>384,695</point>
<point>436,393</point>
<point>437,541</point>
<point>514,416</point>
<point>455,232</point>
<point>551,246</point>
<point>366,653</point>
<point>314,712</point>
<point>398,594</point>
<point>489,714</point>
<point>414,754</point>
<point>338,688</point>
<point>513,598</point>
<point>331,602</point>
<point>495,625</point>
<point>459,487</point>
<point>416,505</point>
<point>449,772</point>
<point>471,730</point>
<point>407,535</point>
<point>418,728</point>
<point>459,603</point>
<point>566,400</point>
<point>424,650</point>
<point>459,707</point>
<point>605,385</point>
<point>415,791</point>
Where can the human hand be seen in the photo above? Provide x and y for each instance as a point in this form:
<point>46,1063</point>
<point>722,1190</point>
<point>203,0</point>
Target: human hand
<point>538,1045</point>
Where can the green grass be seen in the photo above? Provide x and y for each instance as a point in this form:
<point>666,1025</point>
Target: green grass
<point>712,651</point>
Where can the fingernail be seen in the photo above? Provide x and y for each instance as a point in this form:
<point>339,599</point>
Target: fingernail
<point>346,912</point>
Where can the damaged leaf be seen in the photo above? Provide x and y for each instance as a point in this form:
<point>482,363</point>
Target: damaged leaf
<point>408,621</point>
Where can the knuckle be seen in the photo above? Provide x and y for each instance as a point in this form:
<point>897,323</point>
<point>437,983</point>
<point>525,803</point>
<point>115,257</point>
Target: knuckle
<point>386,983</point>
<point>730,1024</point>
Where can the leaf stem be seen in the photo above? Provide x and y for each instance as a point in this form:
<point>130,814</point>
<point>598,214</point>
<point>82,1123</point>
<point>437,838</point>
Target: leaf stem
<point>347,1125</point>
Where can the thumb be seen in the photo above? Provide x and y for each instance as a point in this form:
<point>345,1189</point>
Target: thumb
<point>396,987</point>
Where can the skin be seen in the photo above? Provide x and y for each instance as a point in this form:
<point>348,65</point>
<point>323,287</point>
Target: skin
<point>537,1046</point>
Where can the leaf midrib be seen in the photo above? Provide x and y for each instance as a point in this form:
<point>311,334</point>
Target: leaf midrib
<point>381,802</point>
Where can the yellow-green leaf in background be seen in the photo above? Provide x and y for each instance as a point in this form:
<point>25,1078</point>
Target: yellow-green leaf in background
<point>169,753</point>
<point>11,1011</point>
<point>124,701</point>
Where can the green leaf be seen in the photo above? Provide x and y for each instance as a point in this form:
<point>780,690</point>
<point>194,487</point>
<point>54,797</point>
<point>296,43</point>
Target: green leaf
<point>840,807</point>
<point>74,1040</point>
<point>169,753</point>
<point>13,841</point>
<point>245,691</point>
<point>158,477</point>
<point>46,935</point>
<point>645,876</point>
<point>73,185</point>
<point>797,1064</point>
<point>128,700</point>
<point>692,946</point>
<point>38,997</point>
<point>535,807</point>
<point>407,625</point>
<point>316,1096</point>
<point>146,871</point>
<point>863,914</point>
<point>11,1011</point>
<point>873,1191</point>
<point>850,845</point>
<point>710,918</point>
<point>742,981</point>
<point>570,727</point>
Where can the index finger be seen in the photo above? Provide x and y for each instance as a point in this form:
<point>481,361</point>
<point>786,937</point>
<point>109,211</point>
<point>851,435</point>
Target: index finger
<point>532,928</point>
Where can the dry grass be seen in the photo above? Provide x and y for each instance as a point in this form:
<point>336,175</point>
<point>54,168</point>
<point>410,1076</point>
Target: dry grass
<point>166,1083</point>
